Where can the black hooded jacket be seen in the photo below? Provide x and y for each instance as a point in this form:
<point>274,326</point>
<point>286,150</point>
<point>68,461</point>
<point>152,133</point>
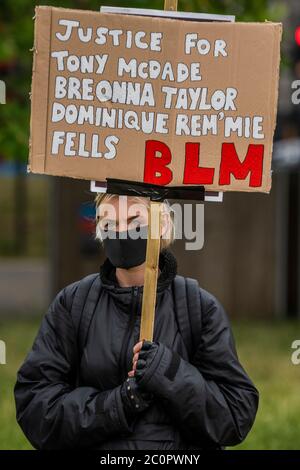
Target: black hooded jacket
<point>210,403</point>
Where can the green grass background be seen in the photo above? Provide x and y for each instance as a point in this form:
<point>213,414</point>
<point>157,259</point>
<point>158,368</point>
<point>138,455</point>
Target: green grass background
<point>263,348</point>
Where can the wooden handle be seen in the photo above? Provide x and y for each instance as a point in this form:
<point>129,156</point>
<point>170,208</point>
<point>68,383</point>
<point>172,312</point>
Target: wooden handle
<point>152,253</point>
<point>170,5</point>
<point>151,271</point>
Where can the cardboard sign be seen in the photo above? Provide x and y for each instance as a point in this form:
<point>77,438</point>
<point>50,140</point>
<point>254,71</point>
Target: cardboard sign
<point>164,101</point>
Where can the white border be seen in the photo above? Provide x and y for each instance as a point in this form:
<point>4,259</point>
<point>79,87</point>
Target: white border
<point>168,14</point>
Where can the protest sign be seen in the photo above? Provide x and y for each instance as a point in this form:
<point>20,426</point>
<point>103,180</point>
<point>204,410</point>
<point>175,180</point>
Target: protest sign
<point>156,100</point>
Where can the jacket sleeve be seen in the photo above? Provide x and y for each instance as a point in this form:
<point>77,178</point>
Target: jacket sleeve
<point>211,398</point>
<point>52,412</point>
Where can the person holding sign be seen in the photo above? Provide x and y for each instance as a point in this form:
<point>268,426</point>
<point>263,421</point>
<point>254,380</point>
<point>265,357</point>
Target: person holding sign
<point>88,383</point>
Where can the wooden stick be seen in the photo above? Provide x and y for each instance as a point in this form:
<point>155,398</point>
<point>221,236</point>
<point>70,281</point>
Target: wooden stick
<point>151,271</point>
<point>152,253</point>
<point>171,5</point>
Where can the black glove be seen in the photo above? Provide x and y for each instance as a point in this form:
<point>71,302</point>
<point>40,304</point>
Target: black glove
<point>156,367</point>
<point>134,398</point>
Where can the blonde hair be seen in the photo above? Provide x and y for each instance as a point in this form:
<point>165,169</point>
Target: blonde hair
<point>167,212</point>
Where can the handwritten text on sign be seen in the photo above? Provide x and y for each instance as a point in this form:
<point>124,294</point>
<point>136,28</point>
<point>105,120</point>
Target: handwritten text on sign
<point>155,100</point>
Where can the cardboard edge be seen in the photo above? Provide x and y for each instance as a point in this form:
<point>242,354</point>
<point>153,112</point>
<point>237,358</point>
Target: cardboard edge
<point>31,94</point>
<point>39,96</point>
<point>276,63</point>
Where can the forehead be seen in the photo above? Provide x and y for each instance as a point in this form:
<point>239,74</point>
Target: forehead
<point>123,207</point>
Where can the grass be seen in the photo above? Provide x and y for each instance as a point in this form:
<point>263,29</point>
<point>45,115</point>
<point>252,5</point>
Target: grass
<point>18,335</point>
<point>264,350</point>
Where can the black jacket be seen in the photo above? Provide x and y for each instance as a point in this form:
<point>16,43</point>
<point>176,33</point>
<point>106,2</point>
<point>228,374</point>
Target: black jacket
<point>211,401</point>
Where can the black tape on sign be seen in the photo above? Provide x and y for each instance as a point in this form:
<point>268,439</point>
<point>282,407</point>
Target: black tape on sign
<point>154,191</point>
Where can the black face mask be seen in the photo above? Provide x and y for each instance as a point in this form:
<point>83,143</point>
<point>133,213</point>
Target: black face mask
<point>122,249</point>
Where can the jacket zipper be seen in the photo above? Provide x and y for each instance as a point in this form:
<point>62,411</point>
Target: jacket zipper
<point>133,315</point>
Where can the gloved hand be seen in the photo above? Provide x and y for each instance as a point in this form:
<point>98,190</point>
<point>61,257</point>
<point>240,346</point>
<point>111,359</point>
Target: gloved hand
<point>134,398</point>
<point>156,367</point>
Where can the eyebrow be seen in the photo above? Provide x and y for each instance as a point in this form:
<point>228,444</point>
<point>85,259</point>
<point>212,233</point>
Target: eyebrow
<point>128,220</point>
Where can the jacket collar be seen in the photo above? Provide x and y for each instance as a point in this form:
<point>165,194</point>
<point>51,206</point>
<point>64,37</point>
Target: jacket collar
<point>167,265</point>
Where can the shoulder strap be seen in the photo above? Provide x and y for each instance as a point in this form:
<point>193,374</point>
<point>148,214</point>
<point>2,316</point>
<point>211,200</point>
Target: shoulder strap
<point>83,307</point>
<point>188,311</point>
<point>194,309</point>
